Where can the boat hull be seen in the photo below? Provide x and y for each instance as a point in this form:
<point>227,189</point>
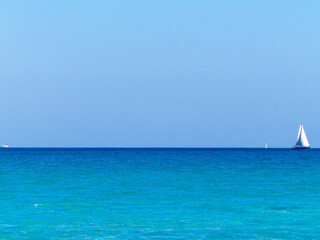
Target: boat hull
<point>300,148</point>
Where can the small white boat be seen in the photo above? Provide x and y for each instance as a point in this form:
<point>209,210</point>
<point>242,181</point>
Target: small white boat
<point>5,145</point>
<point>266,145</point>
<point>302,140</point>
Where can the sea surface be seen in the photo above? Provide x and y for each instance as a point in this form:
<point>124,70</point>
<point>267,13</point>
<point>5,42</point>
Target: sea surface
<point>159,194</point>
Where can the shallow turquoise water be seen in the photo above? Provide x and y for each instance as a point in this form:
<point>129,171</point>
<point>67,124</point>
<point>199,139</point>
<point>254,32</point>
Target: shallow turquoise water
<point>159,194</point>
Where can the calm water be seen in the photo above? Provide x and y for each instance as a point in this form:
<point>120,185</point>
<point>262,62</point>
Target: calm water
<point>159,194</point>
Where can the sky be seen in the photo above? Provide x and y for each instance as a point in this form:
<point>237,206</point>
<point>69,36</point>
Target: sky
<point>159,73</point>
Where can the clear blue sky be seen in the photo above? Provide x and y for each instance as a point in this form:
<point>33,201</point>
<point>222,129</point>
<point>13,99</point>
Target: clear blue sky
<point>159,73</point>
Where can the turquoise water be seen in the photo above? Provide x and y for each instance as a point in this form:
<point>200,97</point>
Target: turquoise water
<point>159,194</point>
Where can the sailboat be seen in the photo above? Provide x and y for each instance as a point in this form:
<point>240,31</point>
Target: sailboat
<point>302,140</point>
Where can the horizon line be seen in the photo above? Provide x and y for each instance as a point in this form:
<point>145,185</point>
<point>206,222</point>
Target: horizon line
<point>58,147</point>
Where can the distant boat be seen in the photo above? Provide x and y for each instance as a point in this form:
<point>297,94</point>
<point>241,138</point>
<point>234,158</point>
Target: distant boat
<point>5,145</point>
<point>266,145</point>
<point>302,140</point>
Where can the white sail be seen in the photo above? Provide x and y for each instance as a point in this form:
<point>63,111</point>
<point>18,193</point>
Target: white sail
<point>302,140</point>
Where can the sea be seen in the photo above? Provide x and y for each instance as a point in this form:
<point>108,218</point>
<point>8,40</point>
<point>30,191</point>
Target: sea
<point>105,193</point>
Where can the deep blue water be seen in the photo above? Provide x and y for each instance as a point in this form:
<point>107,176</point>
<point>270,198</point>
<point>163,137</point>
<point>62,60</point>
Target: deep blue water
<point>159,194</point>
